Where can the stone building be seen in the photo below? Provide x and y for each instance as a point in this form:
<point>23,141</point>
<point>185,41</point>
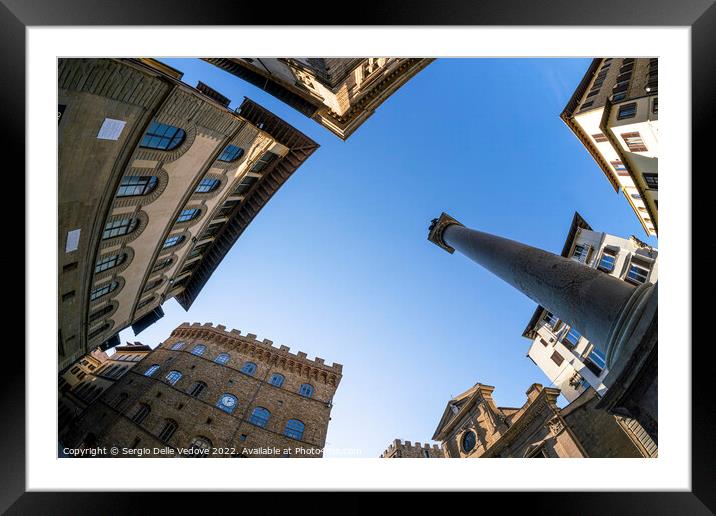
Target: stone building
<point>615,114</point>
<point>568,359</point>
<point>157,180</point>
<point>338,93</point>
<point>206,390</point>
<point>81,384</point>
<point>406,450</point>
<point>473,426</point>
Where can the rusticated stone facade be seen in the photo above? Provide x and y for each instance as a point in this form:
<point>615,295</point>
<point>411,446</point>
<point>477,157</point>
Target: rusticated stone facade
<point>209,391</point>
<point>93,374</point>
<point>407,450</point>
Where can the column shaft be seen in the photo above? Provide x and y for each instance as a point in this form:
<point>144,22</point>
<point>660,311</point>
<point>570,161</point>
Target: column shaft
<point>584,298</point>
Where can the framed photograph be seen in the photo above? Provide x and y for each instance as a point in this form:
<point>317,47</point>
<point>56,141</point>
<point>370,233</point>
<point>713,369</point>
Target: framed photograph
<point>465,224</point>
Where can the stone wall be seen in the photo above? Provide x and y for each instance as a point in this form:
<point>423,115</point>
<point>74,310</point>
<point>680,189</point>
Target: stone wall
<point>407,450</point>
<point>599,432</point>
<point>110,420</point>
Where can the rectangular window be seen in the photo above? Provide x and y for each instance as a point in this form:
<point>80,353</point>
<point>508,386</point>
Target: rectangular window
<point>586,105</point>
<point>623,78</point>
<point>606,262</point>
<point>620,87</point>
<point>543,342</point>
<point>618,96</point>
<point>557,358</point>
<point>245,184</point>
<point>619,167</point>
<point>627,111</point>
<point>596,360</point>
<point>551,320</point>
<point>264,161</point>
<point>655,106</point>
<point>599,137</point>
<point>652,181</point>
<point>638,273</point>
<point>580,253</point>
<point>572,337</point>
<point>634,142</point>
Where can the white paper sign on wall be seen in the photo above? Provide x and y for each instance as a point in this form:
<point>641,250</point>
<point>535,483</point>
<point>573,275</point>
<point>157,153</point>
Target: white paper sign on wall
<point>73,240</point>
<point>111,129</point>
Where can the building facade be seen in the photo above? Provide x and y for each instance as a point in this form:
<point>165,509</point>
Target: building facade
<point>206,391</point>
<point>338,93</point>
<point>615,114</point>
<point>566,357</point>
<point>80,385</point>
<point>157,180</point>
<point>399,449</point>
<point>473,426</point>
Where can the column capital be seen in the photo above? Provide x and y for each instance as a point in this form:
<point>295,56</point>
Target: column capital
<point>437,228</point>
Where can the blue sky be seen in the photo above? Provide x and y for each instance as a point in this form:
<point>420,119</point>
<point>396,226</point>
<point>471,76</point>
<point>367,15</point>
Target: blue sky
<point>338,264</point>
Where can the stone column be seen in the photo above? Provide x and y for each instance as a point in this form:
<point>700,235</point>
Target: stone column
<point>606,310</point>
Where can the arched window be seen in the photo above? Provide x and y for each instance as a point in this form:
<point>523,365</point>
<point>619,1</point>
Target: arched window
<point>196,389</point>
<point>103,290</point>
<point>306,390</point>
<point>207,185</point>
<point>99,331</point>
<point>162,137</point>
<point>173,377</point>
<point>120,400</point>
<point>145,302</point>
<point>294,429</point>
<point>227,402</point>
<point>94,393</point>
<point>120,372</point>
<point>162,264</point>
<point>100,313</point>
<point>151,370</point>
<point>110,370</point>
<point>198,350</point>
<point>200,446</point>
<point>276,380</point>
<point>170,426</point>
<point>260,417</point>
<point>188,214</point>
<point>249,368</point>
<point>119,227</point>
<point>231,153</point>
<point>80,388</point>
<point>152,284</point>
<point>222,358</point>
<point>245,184</point>
<point>109,262</point>
<point>141,414</point>
<point>265,159</point>
<point>172,241</point>
<point>178,345</point>
<point>133,186</point>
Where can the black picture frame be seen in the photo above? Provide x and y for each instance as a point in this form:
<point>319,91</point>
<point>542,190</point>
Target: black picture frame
<point>699,15</point>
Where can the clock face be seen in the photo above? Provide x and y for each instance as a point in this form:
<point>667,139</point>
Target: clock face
<point>228,401</point>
